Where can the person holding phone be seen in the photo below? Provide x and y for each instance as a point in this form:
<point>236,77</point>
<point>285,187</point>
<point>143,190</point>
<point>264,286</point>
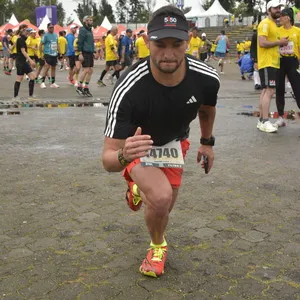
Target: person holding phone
<point>178,88</point>
<point>289,62</point>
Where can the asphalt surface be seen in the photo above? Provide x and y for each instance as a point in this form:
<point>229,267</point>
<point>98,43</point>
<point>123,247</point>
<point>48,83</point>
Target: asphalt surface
<point>67,233</point>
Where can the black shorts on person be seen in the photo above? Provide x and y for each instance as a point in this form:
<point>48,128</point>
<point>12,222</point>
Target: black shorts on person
<point>72,60</point>
<point>88,61</point>
<point>23,68</point>
<point>51,60</point>
<point>34,58</point>
<point>13,55</point>
<point>268,77</point>
<point>42,62</point>
<point>111,63</point>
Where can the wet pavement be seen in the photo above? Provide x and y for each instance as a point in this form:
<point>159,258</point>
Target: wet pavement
<point>67,233</point>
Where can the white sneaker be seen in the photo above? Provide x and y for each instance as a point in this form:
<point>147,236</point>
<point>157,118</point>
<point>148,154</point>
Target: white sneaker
<point>258,124</point>
<point>268,127</point>
<point>280,122</point>
<point>76,84</point>
<point>43,85</point>
<point>54,86</point>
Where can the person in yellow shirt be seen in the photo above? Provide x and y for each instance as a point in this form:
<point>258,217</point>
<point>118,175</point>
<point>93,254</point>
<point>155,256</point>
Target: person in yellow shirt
<point>268,62</point>
<point>62,48</point>
<point>247,45</point>
<point>289,62</point>
<point>13,50</point>
<point>40,55</point>
<point>213,49</point>
<point>98,48</point>
<point>142,49</point>
<point>194,43</point>
<point>1,48</point>
<point>78,63</point>
<point>111,55</point>
<point>239,49</point>
<point>32,46</point>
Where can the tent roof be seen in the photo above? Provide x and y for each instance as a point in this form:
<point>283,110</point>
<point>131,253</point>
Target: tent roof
<point>27,22</point>
<point>106,24</point>
<point>5,27</point>
<point>196,11</point>
<point>58,28</point>
<point>216,10</point>
<point>99,31</point>
<point>13,20</point>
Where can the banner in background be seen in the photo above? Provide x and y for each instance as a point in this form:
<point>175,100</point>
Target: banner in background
<point>42,11</point>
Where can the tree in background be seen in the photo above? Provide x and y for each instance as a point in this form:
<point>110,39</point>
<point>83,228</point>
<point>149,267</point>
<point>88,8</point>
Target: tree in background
<point>25,9</point>
<point>105,9</point>
<point>136,11</point>
<point>122,11</point>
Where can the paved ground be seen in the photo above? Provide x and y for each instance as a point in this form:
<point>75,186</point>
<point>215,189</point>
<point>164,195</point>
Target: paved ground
<point>66,232</point>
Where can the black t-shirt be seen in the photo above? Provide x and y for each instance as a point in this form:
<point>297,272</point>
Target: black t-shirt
<point>163,112</point>
<point>21,43</point>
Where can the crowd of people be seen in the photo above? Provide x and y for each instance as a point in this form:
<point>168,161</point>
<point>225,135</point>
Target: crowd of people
<point>42,53</point>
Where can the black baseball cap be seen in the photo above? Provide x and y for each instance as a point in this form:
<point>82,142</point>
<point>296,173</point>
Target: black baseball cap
<point>288,12</point>
<point>168,22</point>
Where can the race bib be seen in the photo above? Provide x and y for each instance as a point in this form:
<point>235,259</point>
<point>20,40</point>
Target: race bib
<point>288,49</point>
<point>167,156</point>
<point>53,46</point>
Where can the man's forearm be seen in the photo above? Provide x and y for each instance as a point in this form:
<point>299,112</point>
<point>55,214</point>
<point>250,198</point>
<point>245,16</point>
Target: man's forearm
<point>207,117</point>
<point>111,162</point>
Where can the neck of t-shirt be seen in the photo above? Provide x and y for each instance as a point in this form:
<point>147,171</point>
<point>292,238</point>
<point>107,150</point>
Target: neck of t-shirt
<point>287,26</point>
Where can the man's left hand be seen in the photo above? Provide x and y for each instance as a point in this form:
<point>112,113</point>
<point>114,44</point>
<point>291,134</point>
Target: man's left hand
<point>208,151</point>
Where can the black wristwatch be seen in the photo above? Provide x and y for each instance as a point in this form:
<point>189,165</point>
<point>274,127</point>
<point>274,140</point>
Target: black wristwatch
<point>208,142</point>
<point>122,160</point>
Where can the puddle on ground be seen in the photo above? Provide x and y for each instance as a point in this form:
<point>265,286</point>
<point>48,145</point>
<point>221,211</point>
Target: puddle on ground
<point>290,115</point>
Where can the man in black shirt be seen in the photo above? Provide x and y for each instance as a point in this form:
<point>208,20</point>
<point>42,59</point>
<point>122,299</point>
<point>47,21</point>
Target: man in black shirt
<point>147,125</point>
<point>24,63</point>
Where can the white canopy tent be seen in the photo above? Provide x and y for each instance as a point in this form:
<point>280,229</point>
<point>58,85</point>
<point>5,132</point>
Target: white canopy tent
<point>106,24</point>
<point>77,21</point>
<point>196,11</point>
<point>13,20</point>
<point>44,23</point>
<point>214,16</point>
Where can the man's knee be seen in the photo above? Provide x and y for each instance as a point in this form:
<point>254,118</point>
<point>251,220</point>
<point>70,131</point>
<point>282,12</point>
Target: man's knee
<point>160,200</point>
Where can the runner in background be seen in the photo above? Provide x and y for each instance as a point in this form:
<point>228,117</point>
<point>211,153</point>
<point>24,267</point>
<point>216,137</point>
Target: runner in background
<point>24,63</point>
<point>86,56</point>
<point>48,47</point>
<point>289,62</point>
<point>194,43</point>
<point>62,49</point>
<point>142,49</point>
<point>222,43</point>
<point>71,52</point>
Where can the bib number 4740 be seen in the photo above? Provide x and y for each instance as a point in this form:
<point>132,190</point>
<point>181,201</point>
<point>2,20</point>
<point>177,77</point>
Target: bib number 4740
<point>163,152</point>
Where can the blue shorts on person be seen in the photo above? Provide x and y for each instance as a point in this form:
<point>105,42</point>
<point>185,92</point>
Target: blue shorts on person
<point>220,54</point>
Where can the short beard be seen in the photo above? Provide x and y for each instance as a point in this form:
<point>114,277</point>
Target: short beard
<point>167,71</point>
<point>275,16</point>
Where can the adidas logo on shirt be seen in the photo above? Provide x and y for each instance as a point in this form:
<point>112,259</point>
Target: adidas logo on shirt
<point>192,100</point>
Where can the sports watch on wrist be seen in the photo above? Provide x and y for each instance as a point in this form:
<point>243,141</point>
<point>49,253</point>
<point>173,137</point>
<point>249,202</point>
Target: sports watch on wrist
<point>122,160</point>
<point>207,142</point>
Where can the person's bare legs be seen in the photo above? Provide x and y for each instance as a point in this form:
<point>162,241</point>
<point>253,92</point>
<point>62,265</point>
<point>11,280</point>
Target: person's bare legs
<point>266,101</point>
<point>158,196</point>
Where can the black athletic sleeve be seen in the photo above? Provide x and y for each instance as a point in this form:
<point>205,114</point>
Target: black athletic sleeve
<point>211,91</point>
<point>119,123</point>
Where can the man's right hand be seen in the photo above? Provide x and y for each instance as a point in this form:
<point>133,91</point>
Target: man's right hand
<point>137,146</point>
<point>283,41</point>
